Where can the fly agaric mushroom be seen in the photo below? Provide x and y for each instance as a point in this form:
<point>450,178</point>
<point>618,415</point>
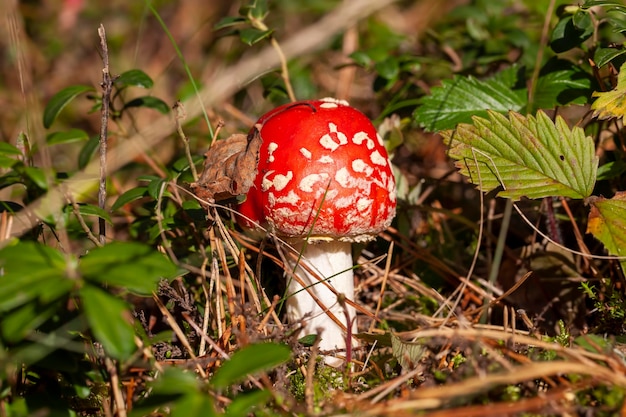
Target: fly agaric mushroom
<point>324,181</point>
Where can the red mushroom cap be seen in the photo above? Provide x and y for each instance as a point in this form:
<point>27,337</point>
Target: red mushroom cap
<point>323,174</point>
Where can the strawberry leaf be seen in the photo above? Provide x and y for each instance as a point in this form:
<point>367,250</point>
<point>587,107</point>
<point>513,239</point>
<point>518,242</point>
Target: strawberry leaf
<point>460,98</point>
<point>526,156</point>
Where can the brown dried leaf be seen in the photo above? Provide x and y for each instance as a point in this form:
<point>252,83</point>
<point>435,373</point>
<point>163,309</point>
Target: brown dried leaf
<point>230,167</point>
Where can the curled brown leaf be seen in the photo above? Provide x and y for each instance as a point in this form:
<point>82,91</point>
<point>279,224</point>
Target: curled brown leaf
<point>230,167</point>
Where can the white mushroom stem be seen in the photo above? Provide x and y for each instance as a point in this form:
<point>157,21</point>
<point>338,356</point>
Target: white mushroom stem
<point>330,261</point>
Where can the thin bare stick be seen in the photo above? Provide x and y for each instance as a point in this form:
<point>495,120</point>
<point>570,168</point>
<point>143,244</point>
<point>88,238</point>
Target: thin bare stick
<point>107,87</point>
<point>179,333</point>
<point>180,116</point>
<point>81,221</point>
<point>309,390</point>
<point>284,69</point>
<point>383,284</point>
<point>118,398</point>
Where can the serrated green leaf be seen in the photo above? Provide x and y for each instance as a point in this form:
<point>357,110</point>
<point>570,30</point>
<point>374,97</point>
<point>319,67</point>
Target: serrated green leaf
<point>612,104</point>
<point>250,36</point>
<point>60,100</point>
<point>457,100</point>
<point>561,84</point>
<point>130,196</point>
<point>73,135</point>
<point>149,102</point>
<point>110,321</point>
<point>132,266</point>
<point>136,78</point>
<point>528,157</point>
<point>250,360</point>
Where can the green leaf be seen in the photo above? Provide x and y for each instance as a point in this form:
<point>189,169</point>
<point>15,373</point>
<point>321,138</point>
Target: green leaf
<point>408,354</point>
<point>30,271</point>
<point>60,100</point>
<point>149,102</point>
<point>155,186</point>
<point>532,157</point>
<point>308,340</point>
<point>603,56</point>
<point>612,104</point>
<point>388,68</point>
<point>73,135</point>
<point>37,176</point>
<point>250,36</point>
<point>130,196</point>
<point>18,324</point>
<point>10,178</point>
<point>249,360</point>
<point>611,170</point>
<point>609,4</point>
<point>244,404</point>
<point>136,78</point>
<point>560,84</point>
<point>566,35</point>
<point>133,266</point>
<point>196,404</point>
<point>457,100</point>
<point>256,9</point>
<point>88,151</point>
<point>361,58</point>
<point>8,149</point>
<point>229,21</point>
<point>6,161</point>
<point>10,206</point>
<point>110,321</point>
<point>91,210</point>
<point>9,155</point>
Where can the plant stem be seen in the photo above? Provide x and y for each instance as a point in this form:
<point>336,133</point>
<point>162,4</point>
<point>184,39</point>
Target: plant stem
<point>107,86</point>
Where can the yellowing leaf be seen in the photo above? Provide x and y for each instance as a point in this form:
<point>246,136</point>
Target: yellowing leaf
<point>612,104</point>
<point>607,222</point>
